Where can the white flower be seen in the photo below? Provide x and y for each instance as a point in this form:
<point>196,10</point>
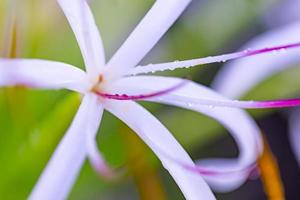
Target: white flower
<point>113,86</point>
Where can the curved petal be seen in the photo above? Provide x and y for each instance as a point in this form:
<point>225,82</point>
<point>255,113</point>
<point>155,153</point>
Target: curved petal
<point>41,74</point>
<point>283,12</point>
<point>200,100</point>
<point>244,131</point>
<point>96,158</point>
<point>294,135</point>
<point>159,138</point>
<point>87,34</point>
<point>152,27</point>
<point>60,173</point>
<point>239,76</point>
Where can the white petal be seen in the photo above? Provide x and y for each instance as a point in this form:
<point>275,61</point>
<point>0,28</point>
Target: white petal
<point>159,139</point>
<point>241,126</point>
<point>87,34</point>
<point>283,12</point>
<point>151,68</point>
<point>156,22</point>
<point>238,77</point>
<point>294,135</point>
<point>64,166</point>
<point>96,158</point>
<point>41,74</point>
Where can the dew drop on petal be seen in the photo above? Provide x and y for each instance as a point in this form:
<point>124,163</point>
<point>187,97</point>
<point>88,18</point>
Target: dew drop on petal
<point>283,50</point>
<point>189,104</point>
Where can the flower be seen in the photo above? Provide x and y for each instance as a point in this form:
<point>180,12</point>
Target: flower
<point>114,85</point>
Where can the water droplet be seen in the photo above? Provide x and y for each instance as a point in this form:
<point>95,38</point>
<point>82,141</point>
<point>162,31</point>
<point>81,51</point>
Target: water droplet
<point>189,104</point>
<point>283,50</point>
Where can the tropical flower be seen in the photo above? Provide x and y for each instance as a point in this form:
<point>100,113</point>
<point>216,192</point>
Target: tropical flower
<point>114,86</point>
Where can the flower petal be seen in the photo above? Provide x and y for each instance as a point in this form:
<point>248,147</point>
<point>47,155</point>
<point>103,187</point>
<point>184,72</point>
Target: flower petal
<point>196,101</point>
<point>245,131</point>
<point>156,22</point>
<point>239,76</point>
<point>41,74</point>
<point>151,68</point>
<point>282,12</point>
<point>96,158</point>
<point>159,138</point>
<point>60,173</point>
<point>87,34</point>
<point>294,135</point>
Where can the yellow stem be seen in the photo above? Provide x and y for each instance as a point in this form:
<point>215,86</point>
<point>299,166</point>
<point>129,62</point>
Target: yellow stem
<point>144,172</point>
<point>11,46</point>
<point>15,96</point>
<point>270,174</point>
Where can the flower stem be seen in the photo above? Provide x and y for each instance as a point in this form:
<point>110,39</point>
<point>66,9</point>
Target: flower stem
<point>143,170</point>
<point>270,174</point>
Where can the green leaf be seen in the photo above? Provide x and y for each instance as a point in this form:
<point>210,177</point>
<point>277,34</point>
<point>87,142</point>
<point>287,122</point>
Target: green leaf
<point>21,166</point>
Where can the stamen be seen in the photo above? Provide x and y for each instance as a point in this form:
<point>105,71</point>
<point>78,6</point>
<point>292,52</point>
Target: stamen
<point>140,96</point>
<point>100,78</point>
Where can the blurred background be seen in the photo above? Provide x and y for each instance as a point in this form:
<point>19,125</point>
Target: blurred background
<point>32,121</point>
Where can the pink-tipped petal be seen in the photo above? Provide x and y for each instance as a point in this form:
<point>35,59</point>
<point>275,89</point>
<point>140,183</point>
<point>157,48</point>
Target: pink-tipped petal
<point>171,94</point>
<point>87,34</point>
<point>196,101</point>
<point>238,77</point>
<point>96,158</point>
<point>159,139</point>
<point>152,27</point>
<point>282,103</point>
<point>294,135</point>
<point>41,74</point>
<point>213,59</point>
<point>60,173</point>
<point>244,131</point>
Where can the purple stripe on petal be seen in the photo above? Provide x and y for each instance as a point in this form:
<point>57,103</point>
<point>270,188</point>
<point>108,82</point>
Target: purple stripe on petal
<point>204,171</point>
<point>141,96</point>
<point>277,48</point>
<point>282,103</point>
<point>237,77</point>
<point>208,172</point>
<point>151,68</point>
